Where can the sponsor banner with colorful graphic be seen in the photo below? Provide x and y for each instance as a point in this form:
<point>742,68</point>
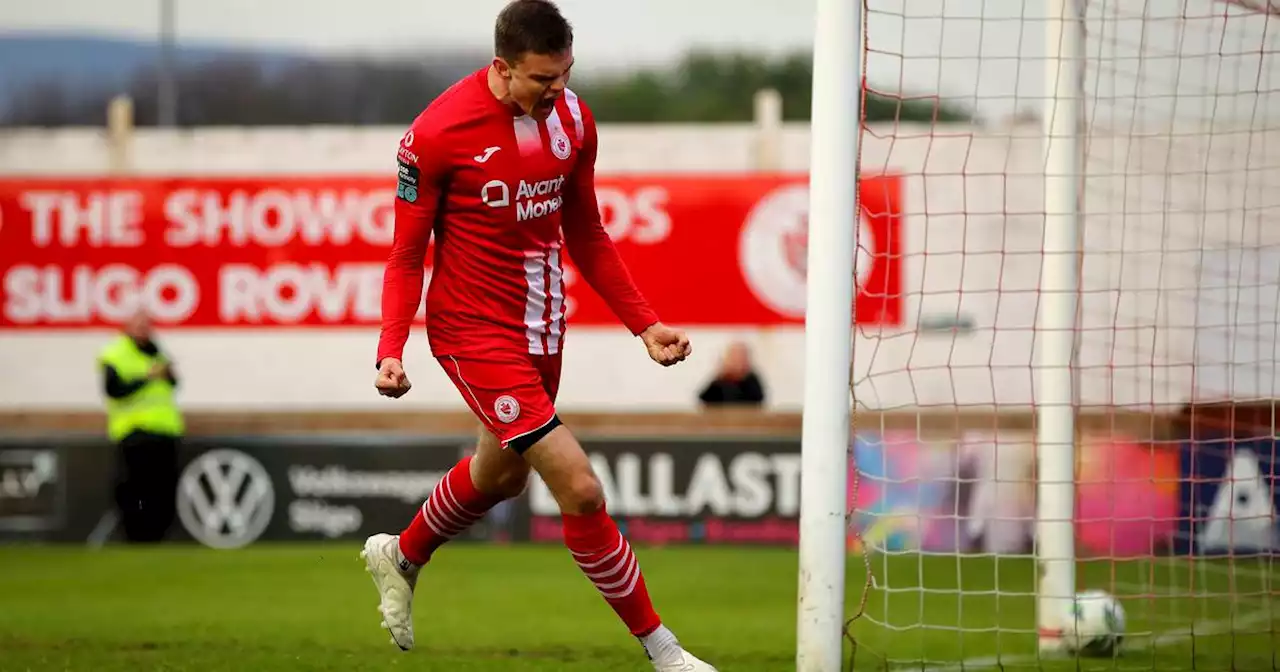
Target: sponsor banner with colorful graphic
<point>231,252</point>
<point>974,495</point>
<point>1126,497</point>
<point>977,495</point>
<point>902,493</point>
<point>1229,499</point>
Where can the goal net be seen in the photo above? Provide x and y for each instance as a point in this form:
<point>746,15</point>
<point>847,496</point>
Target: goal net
<point>989,482</point>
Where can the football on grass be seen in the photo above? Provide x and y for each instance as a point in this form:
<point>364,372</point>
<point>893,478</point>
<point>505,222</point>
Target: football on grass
<point>1095,626</point>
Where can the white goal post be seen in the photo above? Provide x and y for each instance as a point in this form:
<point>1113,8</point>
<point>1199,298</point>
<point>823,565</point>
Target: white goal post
<point>835,127</point>
<point>1103,238</point>
<point>1055,368</point>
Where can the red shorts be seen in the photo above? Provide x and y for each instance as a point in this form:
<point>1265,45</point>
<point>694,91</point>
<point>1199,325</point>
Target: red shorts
<point>513,393</point>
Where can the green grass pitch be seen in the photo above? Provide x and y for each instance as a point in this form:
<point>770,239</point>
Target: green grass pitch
<point>312,607</point>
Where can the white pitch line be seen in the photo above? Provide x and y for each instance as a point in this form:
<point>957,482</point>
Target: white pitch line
<point>1164,639</point>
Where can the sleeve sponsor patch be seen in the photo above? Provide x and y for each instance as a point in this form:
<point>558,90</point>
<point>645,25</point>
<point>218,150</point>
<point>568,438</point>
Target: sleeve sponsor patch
<point>407,178</point>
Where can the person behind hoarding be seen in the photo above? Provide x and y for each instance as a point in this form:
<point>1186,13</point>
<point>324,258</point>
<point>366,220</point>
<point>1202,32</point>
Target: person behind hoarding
<point>736,382</point>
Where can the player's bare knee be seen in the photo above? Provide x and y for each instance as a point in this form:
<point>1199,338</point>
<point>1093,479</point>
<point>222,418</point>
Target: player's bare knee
<point>567,471</point>
<point>511,483</point>
<point>502,480</point>
<point>582,494</point>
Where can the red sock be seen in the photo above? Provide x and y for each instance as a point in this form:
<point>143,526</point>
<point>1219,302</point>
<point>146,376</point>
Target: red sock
<point>453,506</point>
<point>605,556</point>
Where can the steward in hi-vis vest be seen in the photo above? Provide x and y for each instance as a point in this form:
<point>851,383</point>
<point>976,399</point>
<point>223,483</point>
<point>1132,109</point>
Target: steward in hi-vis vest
<point>146,425</point>
<point>140,390</point>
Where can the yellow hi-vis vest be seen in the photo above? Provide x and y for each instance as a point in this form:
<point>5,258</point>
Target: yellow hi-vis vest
<point>150,409</point>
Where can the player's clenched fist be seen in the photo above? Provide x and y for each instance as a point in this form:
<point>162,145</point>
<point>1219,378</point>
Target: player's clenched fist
<point>666,346</point>
<point>392,381</point>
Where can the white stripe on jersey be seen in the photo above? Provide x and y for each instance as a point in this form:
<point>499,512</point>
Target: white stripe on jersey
<point>544,280</point>
<point>556,290</point>
<point>528,137</point>
<point>554,127</point>
<point>575,111</point>
<point>535,300</point>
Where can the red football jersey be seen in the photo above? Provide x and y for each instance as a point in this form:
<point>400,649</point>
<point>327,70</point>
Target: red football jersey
<point>505,195</point>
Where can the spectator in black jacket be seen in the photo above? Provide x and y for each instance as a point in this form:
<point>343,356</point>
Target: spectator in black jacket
<point>736,382</point>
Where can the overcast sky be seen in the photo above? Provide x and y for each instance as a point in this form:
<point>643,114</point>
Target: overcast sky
<point>982,50</point>
<point>607,30</point>
<point>609,33</point>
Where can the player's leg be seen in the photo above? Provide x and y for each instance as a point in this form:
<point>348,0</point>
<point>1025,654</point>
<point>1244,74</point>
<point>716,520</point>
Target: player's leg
<point>474,485</point>
<point>601,551</point>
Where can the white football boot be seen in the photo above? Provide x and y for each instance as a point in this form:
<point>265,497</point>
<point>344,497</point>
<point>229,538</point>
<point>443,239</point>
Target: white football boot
<point>381,556</point>
<point>688,663</point>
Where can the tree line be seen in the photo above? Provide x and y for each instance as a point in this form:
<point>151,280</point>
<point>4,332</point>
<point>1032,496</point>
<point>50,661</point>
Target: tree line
<point>701,87</point>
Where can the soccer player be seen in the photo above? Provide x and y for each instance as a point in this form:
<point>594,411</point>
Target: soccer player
<point>501,169</point>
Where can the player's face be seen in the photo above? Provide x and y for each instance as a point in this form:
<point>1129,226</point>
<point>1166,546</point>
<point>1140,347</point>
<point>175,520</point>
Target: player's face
<point>536,81</point>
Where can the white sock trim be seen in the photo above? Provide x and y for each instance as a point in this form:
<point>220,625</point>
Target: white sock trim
<point>402,563</point>
<point>662,647</point>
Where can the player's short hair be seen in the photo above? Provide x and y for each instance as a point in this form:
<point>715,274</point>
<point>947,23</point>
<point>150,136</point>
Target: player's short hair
<point>530,26</point>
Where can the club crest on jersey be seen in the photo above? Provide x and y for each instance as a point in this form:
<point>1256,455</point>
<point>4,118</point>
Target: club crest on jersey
<point>560,145</point>
<point>507,408</point>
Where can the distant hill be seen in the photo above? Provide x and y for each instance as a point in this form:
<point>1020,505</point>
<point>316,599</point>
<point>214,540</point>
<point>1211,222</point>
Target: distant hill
<point>59,79</point>
<point>90,61</point>
<point>54,80</point>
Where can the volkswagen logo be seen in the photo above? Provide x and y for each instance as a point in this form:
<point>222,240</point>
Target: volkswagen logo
<point>225,498</point>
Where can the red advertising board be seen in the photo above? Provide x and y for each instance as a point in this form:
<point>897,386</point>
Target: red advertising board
<point>238,252</point>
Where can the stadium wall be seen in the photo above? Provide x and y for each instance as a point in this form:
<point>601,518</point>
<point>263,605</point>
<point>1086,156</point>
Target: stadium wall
<point>1177,255</point>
